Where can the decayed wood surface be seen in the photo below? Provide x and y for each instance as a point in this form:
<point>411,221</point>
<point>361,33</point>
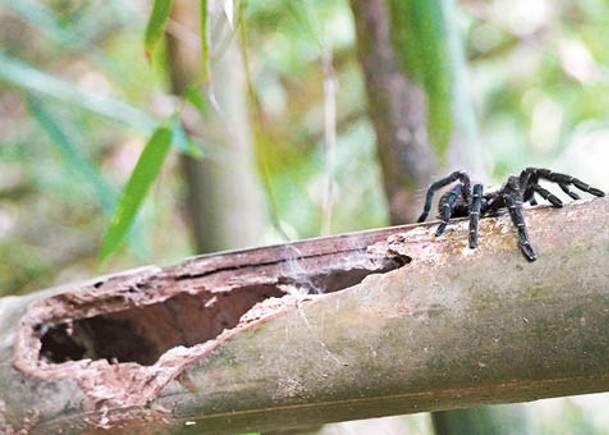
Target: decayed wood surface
<point>432,325</point>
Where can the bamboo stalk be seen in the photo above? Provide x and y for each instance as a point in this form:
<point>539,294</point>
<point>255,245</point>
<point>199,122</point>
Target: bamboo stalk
<point>422,324</point>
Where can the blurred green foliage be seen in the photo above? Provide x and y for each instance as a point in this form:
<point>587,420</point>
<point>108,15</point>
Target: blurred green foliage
<point>418,30</point>
<point>537,77</point>
<point>74,115</point>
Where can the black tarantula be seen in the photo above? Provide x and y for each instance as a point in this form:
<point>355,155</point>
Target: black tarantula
<point>464,200</point>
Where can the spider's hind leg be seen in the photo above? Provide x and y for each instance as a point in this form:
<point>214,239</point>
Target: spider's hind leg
<point>561,179</point>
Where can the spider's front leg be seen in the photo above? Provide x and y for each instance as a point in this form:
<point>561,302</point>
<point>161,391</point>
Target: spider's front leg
<point>513,200</point>
<point>457,175</point>
<point>447,205</point>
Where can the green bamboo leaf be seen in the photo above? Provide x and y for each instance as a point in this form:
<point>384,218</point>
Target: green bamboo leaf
<point>419,37</point>
<point>194,97</point>
<point>156,25</point>
<point>73,157</point>
<point>143,176</point>
<point>204,44</point>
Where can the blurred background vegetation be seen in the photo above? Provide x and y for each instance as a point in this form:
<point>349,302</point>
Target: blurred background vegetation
<point>79,100</point>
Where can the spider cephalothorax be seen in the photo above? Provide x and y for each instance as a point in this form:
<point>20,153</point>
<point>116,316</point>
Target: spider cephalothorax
<point>467,200</point>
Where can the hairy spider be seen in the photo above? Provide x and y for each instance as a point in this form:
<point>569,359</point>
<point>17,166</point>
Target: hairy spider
<point>464,200</point>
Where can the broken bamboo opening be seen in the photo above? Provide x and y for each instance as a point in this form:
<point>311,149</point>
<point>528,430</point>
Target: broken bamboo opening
<point>359,325</point>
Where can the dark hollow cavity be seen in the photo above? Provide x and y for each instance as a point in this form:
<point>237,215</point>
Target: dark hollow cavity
<point>142,334</point>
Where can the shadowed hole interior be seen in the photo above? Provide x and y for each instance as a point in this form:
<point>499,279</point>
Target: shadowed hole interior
<point>142,334</point>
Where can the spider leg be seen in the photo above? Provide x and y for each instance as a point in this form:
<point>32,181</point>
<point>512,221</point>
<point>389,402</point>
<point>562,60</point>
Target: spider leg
<point>474,215</point>
<point>447,206</point>
<point>513,200</point>
<point>547,195</point>
<point>533,201</point>
<point>555,177</point>
<point>457,175</point>
<point>568,191</point>
<point>528,178</point>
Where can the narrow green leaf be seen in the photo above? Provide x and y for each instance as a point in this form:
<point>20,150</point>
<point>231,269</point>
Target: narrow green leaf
<point>156,25</point>
<point>36,82</point>
<point>74,158</point>
<point>194,97</point>
<point>204,43</point>
<point>143,176</point>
